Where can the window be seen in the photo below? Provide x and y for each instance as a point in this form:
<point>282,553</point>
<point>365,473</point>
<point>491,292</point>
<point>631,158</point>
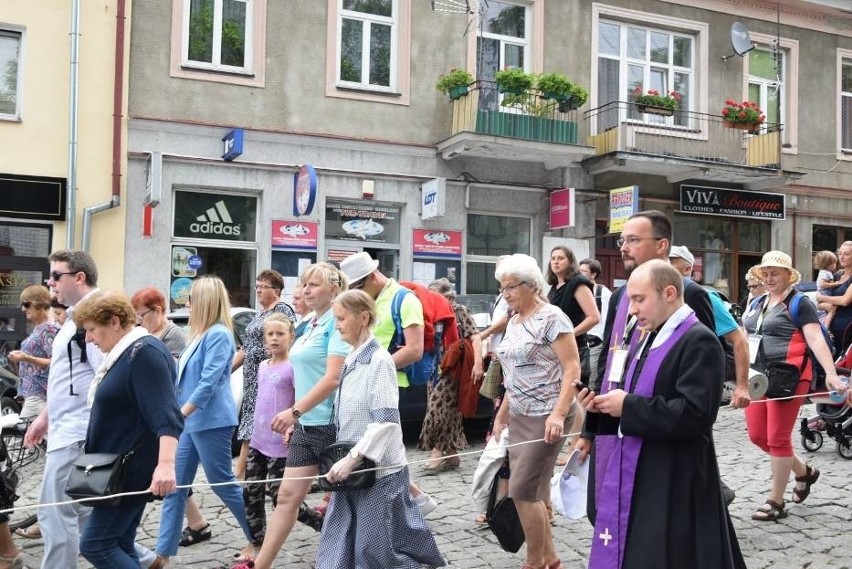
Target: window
<point>488,237</point>
<point>368,44</point>
<point>631,57</point>
<point>846,106</point>
<point>503,40</point>
<point>766,72</point>
<point>217,35</point>
<point>10,73</point>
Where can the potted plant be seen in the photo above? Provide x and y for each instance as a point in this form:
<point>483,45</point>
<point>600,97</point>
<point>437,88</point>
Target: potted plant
<point>454,83</point>
<point>652,102</point>
<point>513,80</point>
<point>743,116</point>
<point>577,99</point>
<point>559,88</point>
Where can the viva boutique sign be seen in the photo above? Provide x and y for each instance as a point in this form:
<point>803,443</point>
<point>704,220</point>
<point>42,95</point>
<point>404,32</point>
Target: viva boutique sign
<point>732,203</point>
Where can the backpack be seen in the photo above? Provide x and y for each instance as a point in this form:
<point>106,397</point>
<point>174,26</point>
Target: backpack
<point>439,328</point>
<point>818,381</point>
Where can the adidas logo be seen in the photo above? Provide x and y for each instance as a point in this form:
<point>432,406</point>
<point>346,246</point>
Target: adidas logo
<point>216,221</point>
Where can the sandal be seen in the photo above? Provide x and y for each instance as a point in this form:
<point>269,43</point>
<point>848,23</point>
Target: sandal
<point>16,562</point>
<point>191,536</point>
<point>481,520</point>
<point>772,513</point>
<point>32,532</point>
<point>811,476</point>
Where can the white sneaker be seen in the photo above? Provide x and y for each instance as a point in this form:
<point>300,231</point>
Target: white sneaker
<point>426,503</point>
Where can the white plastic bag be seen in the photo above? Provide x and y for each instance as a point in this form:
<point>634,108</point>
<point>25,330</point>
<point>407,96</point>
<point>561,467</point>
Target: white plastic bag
<point>568,488</point>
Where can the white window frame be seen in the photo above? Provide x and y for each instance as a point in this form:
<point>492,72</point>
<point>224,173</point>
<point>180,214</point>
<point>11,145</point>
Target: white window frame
<point>216,65</point>
<point>699,32</point>
<point>525,42</point>
<point>19,86</point>
<point>367,21</point>
<point>844,57</point>
<point>789,86</point>
<point>491,259</point>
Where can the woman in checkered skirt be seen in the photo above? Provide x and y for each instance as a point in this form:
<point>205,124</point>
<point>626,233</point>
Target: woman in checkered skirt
<point>377,526</point>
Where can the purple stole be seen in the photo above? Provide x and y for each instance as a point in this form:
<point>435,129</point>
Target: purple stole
<point>616,459</point>
<point>617,337</point>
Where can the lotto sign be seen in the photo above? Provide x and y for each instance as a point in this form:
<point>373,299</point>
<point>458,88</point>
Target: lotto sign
<point>623,202</point>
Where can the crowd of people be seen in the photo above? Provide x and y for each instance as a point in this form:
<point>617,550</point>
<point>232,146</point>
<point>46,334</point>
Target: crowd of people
<point>639,371</point>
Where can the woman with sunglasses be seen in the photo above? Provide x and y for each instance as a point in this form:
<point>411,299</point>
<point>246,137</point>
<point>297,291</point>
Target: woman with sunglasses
<point>33,358</point>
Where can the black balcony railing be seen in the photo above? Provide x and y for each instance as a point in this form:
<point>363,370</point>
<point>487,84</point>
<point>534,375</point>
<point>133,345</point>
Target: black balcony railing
<point>526,116</point>
<point>626,127</point>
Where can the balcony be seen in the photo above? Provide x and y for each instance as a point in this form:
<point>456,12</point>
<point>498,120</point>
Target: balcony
<point>528,127</point>
<point>686,145</point>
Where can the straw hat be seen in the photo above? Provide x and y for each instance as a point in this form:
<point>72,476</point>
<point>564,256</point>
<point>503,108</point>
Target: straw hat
<point>778,259</point>
<point>358,266</point>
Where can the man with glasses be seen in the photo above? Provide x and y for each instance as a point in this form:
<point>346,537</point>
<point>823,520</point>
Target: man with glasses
<point>73,277</point>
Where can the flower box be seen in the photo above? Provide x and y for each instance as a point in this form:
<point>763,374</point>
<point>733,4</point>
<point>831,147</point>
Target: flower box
<point>457,92</point>
<point>751,128</point>
<point>655,110</point>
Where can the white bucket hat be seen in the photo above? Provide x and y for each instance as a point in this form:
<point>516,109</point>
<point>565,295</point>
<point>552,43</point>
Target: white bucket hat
<point>358,266</point>
<point>781,260</point>
<point>681,252</point>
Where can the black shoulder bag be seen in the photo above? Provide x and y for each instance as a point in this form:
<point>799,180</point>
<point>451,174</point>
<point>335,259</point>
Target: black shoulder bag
<point>504,521</point>
<point>95,475</point>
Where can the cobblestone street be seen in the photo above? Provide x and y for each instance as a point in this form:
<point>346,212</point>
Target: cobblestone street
<point>814,536</point>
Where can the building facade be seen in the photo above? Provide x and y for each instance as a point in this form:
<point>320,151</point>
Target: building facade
<point>266,134</point>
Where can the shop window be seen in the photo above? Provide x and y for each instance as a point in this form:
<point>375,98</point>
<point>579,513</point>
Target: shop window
<point>236,267</point>
<point>488,237</point>
<point>10,74</point>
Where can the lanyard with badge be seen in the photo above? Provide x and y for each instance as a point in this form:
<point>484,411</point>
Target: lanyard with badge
<point>756,337</point>
<point>620,356</point>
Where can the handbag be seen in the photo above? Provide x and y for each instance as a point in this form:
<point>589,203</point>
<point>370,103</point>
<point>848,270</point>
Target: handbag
<point>783,378</point>
<point>490,387</point>
<point>358,480</point>
<point>503,520</point>
<point>95,475</point>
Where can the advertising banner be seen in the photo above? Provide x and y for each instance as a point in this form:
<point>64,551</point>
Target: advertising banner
<point>294,234</point>
<point>623,202</point>
<point>437,243</point>
<point>562,208</point>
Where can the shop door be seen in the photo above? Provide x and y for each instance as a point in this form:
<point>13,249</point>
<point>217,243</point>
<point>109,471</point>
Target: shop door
<point>388,261</point>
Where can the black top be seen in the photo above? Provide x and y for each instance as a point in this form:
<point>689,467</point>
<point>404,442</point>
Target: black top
<point>564,298</point>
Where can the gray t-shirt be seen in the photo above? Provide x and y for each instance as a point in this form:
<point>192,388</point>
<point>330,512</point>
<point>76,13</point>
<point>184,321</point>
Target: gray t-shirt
<point>175,338</point>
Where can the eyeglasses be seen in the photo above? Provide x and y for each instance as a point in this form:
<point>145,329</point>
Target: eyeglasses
<point>26,305</point>
<point>358,285</point>
<point>752,287</point>
<point>56,275</point>
<point>633,241</point>
<point>141,315</point>
<point>263,286</point>
<point>510,288</point>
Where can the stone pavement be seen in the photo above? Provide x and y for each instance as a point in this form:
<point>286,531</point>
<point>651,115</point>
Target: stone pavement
<point>816,535</point>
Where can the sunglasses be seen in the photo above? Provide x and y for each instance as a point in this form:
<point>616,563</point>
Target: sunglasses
<point>358,285</point>
<point>26,305</point>
<point>56,275</point>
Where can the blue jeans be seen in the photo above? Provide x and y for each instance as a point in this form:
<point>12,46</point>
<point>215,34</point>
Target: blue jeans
<point>107,541</point>
<point>212,448</point>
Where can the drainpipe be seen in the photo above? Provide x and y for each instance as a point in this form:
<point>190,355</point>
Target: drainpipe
<point>117,98</point>
<point>71,199</point>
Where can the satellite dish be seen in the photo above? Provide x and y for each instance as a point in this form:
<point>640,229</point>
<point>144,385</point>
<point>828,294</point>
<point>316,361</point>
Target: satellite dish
<point>740,40</point>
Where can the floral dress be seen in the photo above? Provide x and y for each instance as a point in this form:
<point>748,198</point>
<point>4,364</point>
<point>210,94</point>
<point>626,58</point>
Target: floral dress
<point>255,352</point>
<point>39,344</point>
<point>442,425</point>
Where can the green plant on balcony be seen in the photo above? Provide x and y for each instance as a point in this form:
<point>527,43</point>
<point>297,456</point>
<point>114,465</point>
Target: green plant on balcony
<point>514,80</point>
<point>454,83</point>
<point>559,88</point>
<point>744,116</point>
<point>654,103</point>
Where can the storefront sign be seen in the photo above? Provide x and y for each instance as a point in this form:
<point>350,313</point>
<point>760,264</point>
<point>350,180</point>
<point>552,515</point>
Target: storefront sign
<point>232,145</point>
<point>337,255</point>
<point>562,208</point>
<point>367,222</point>
<point>731,203</point>
<point>294,234</point>
<point>434,198</point>
<point>32,197</point>
<point>202,215</point>
<point>304,190</point>
<point>437,243</point>
<point>623,202</point>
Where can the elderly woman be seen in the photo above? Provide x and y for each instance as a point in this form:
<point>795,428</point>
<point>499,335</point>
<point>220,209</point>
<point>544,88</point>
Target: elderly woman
<point>840,299</point>
<point>755,290</point>
<point>133,403</point>
<point>774,337</point>
<point>268,287</point>
<point>204,395</point>
<point>377,526</point>
<point>442,431</point>
<point>33,358</point>
<point>317,357</point>
<point>541,365</point>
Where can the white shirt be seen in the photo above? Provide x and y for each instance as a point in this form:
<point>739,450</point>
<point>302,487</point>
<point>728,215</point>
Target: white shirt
<point>68,415</point>
<point>501,309</point>
<point>598,329</point>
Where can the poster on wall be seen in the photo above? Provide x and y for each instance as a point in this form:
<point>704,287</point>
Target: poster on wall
<point>424,271</point>
<point>437,243</point>
<point>623,202</point>
<point>365,222</point>
<point>294,234</point>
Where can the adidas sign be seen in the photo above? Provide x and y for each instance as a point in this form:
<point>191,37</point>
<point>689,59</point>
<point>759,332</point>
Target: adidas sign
<point>215,221</point>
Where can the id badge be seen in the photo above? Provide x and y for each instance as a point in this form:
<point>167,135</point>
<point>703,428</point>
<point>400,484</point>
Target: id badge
<point>619,363</point>
<point>753,345</point>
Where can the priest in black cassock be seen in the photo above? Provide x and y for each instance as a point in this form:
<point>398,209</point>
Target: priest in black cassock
<point>657,495</point>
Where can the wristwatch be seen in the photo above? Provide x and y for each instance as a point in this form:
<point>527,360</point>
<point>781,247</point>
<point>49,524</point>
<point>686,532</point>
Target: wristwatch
<point>354,454</point>
<point>296,413</point>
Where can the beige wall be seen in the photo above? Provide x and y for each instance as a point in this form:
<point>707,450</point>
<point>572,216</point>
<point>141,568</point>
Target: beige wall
<point>38,144</point>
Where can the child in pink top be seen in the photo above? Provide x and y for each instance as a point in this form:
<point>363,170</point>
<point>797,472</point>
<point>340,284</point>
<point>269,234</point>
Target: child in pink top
<point>267,452</point>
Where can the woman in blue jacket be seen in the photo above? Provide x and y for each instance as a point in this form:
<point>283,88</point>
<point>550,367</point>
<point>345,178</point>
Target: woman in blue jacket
<point>205,399</point>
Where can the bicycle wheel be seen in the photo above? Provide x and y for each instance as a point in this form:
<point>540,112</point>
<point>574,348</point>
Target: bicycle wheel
<point>23,468</point>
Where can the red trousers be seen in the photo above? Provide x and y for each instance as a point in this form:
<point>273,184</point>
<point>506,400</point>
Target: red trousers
<point>770,423</point>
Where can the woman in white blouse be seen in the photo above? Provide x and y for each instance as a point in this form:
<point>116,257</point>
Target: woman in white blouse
<point>378,526</point>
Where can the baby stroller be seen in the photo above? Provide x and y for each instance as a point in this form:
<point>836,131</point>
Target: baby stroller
<point>833,419</point>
